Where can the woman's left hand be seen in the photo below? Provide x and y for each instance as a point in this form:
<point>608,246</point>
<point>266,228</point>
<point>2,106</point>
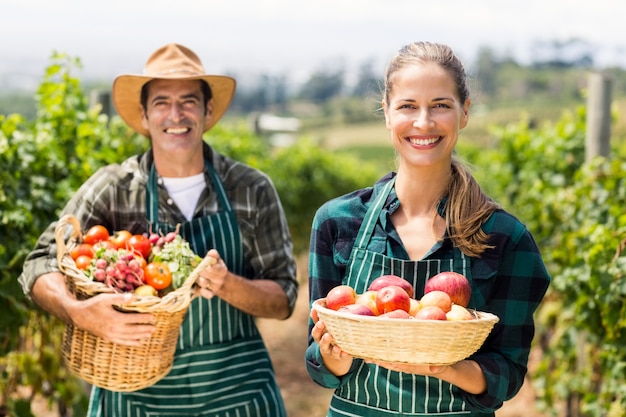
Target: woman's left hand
<point>426,370</point>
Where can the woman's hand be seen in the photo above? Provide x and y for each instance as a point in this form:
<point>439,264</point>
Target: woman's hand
<point>426,370</point>
<point>335,359</point>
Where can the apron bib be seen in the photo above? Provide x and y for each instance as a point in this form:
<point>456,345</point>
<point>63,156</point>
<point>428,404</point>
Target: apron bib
<point>221,366</point>
<point>373,390</point>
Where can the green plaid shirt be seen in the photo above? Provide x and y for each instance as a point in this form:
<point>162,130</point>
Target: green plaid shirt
<point>115,196</point>
<point>509,281</point>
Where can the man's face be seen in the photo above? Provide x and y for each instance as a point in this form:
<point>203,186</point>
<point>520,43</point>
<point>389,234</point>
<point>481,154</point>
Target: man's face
<point>175,115</point>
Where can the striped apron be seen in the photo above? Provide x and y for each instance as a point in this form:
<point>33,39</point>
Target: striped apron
<point>375,391</point>
<point>221,366</point>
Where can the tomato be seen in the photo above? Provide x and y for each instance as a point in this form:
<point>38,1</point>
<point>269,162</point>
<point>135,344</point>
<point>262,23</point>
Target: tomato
<point>95,234</point>
<point>142,263</point>
<point>106,244</point>
<point>158,275</point>
<point>120,239</point>
<point>83,261</point>
<point>82,249</point>
<point>140,244</point>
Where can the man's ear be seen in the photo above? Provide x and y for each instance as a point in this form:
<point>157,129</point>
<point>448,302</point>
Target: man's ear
<point>144,120</point>
<point>209,111</point>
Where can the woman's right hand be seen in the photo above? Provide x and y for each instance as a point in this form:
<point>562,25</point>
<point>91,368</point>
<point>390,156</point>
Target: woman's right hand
<point>335,359</point>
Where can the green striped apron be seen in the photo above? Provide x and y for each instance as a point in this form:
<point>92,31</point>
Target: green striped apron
<point>221,366</point>
<point>375,391</point>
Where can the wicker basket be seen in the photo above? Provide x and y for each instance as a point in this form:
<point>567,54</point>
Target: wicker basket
<point>107,364</point>
<point>413,341</point>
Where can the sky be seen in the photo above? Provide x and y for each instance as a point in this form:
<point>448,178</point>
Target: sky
<point>292,37</point>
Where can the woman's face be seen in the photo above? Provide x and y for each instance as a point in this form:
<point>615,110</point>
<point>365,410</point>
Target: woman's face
<point>424,115</point>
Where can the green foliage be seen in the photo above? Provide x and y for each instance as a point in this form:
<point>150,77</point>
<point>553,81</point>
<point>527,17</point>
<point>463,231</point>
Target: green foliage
<point>575,210</point>
<point>43,162</point>
<point>305,175</point>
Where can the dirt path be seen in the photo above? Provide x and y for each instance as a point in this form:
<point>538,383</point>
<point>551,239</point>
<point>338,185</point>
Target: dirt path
<point>287,341</point>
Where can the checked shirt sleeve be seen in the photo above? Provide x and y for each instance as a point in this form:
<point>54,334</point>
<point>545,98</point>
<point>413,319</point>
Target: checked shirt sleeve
<point>513,293</point>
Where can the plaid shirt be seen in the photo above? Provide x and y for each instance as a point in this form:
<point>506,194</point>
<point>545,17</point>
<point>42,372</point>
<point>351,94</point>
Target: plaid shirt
<point>115,196</point>
<point>509,281</point>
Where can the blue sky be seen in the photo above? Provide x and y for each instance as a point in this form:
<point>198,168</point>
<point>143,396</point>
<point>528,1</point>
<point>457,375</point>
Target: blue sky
<point>293,37</point>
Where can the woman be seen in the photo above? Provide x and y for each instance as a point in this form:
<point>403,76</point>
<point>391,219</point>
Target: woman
<point>428,217</point>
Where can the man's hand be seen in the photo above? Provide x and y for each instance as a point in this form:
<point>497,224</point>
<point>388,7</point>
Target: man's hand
<point>98,315</point>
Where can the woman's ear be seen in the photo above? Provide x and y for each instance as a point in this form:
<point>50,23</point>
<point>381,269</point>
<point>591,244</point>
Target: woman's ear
<point>465,116</point>
<point>386,113</point>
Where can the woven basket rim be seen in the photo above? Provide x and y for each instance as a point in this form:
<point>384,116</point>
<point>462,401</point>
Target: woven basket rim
<point>175,300</point>
<point>480,317</point>
<point>407,340</point>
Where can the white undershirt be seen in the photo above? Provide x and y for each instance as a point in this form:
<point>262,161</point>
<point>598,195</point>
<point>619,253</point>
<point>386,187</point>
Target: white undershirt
<point>185,192</point>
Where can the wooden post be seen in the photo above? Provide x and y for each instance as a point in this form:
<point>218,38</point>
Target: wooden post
<point>102,98</point>
<point>598,137</point>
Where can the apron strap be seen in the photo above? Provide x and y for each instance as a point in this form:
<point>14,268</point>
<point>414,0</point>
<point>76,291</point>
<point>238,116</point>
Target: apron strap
<point>371,217</point>
<point>219,231</point>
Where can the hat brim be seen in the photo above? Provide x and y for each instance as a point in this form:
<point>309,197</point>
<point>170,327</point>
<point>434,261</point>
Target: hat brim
<point>126,95</point>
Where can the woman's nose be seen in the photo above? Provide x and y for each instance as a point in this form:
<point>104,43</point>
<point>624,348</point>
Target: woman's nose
<point>422,118</point>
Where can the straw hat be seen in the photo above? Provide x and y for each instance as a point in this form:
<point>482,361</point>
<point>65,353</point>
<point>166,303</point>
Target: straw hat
<point>169,62</point>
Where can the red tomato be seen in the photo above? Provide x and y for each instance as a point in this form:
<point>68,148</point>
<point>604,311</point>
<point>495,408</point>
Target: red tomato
<point>83,261</point>
<point>106,244</point>
<point>158,275</point>
<point>82,249</point>
<point>120,239</point>
<point>140,244</point>
<point>142,263</point>
<point>95,234</point>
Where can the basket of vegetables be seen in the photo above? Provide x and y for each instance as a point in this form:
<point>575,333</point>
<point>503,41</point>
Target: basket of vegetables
<point>160,271</point>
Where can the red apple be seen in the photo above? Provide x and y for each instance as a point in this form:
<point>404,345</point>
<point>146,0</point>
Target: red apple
<point>387,280</point>
<point>454,284</point>
<point>339,296</point>
<point>368,298</point>
<point>396,314</point>
<point>437,298</point>
<point>431,313</point>
<point>360,309</point>
<point>458,312</point>
<point>392,298</point>
<point>415,306</point>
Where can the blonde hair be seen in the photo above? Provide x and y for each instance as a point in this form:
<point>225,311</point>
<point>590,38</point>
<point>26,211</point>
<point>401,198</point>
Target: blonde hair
<point>467,206</point>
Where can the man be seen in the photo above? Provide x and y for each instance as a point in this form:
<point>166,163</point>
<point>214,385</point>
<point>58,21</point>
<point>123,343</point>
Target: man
<point>221,366</point>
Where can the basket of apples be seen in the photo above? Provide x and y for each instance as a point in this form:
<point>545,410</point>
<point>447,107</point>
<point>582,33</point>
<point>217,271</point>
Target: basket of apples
<point>159,271</point>
<point>387,323</point>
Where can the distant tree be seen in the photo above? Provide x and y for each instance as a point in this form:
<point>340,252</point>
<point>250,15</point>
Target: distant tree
<point>268,92</point>
<point>568,53</point>
<point>368,81</point>
<point>486,69</point>
<point>323,86</point>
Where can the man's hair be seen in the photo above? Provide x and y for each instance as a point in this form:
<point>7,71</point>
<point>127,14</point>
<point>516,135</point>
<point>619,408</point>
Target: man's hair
<point>204,86</point>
